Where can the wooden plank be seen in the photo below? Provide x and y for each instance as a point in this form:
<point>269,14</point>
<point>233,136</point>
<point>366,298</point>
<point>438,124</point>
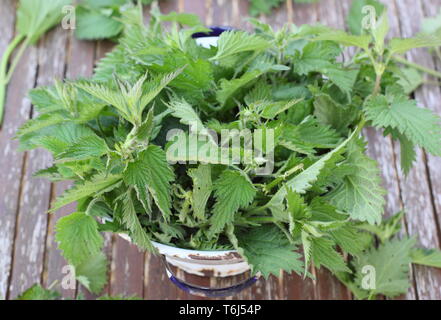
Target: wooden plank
<point>431,8</point>
<point>304,14</point>
<point>16,113</point>
<point>127,269</point>
<point>8,203</point>
<point>196,7</point>
<point>32,216</point>
<point>394,201</point>
<point>415,189</point>
<point>157,285</point>
<point>221,12</point>
<point>381,148</point>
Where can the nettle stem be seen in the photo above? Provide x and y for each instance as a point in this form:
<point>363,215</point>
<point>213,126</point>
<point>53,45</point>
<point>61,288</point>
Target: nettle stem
<point>417,66</point>
<point>262,219</point>
<point>5,74</point>
<point>377,84</point>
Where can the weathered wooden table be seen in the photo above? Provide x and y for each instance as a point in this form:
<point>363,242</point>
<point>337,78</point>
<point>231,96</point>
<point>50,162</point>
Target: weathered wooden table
<point>28,253</point>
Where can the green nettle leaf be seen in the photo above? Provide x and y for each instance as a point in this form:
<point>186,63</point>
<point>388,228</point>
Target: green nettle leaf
<point>267,250</point>
<point>349,239</point>
<point>407,148</point>
<point>228,88</point>
<point>271,109</point>
<point>304,180</point>
<point>427,257</point>
<point>107,95</point>
<point>44,98</point>
<point>387,229</point>
<point>37,292</point>
<point>390,262</point>
<point>331,113</point>
<point>183,110</point>
<point>85,148</point>
<point>296,205</point>
<point>410,80</point>
<point>35,17</point>
<point>422,40</point>
<point>130,99</point>
<point>420,126</point>
<point>42,121</point>
<point>360,194</point>
<point>92,25</point>
<point>234,42</point>
<point>380,32</point>
<point>145,131</point>
<point>233,190</point>
<point>307,249</point>
<point>150,171</point>
<point>131,220</point>
<point>56,138</point>
<point>202,188</point>
<point>318,135</point>
<point>319,56</point>
<point>323,253</point>
<point>344,39</point>
<point>92,273</point>
<point>78,237</point>
<point>96,185</point>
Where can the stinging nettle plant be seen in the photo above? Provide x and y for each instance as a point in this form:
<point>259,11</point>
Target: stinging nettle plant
<point>324,197</point>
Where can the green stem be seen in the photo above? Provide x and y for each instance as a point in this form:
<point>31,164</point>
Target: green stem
<point>377,87</point>
<point>371,296</point>
<point>262,219</point>
<point>361,125</point>
<point>16,59</point>
<point>53,285</point>
<point>438,53</point>
<point>417,66</point>
<point>4,80</point>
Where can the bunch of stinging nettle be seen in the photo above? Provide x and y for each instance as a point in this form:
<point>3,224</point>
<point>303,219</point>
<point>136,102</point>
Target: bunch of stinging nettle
<point>323,196</point>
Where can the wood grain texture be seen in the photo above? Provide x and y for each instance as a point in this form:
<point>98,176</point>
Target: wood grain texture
<point>32,215</point>
<point>415,188</point>
<point>8,201</point>
<point>127,269</point>
<point>382,148</point>
<point>431,8</point>
<point>17,111</point>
